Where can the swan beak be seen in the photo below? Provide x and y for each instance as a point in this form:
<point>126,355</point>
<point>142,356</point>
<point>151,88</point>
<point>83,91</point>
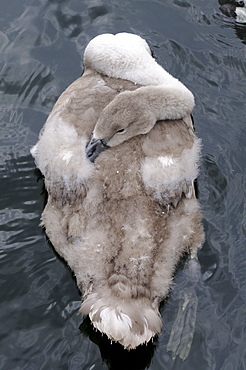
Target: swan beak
<point>94,147</point>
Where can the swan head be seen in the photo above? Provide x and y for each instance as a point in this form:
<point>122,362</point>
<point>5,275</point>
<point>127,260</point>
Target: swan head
<point>124,56</point>
<point>123,119</point>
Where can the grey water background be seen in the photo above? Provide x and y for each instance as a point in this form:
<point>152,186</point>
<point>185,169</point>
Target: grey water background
<point>41,43</point>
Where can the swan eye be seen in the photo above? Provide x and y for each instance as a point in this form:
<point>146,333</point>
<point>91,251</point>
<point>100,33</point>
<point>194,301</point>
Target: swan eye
<point>121,131</point>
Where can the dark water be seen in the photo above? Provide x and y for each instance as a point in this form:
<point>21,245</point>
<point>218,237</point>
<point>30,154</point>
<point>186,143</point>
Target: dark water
<point>41,43</point>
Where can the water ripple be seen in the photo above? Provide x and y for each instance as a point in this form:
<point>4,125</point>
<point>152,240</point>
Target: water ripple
<point>41,43</point>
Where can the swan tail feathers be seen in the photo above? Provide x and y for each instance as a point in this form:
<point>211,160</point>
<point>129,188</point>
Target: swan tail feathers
<point>129,321</point>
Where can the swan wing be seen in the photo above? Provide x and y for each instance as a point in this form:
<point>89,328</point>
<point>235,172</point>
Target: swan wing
<point>170,166</point>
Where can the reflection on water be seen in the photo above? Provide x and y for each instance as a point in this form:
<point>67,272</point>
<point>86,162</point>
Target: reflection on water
<point>41,43</point>
<point>182,333</point>
<point>114,355</point>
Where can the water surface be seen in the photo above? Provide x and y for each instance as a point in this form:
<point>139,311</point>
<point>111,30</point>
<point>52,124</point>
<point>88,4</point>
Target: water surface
<point>41,43</point>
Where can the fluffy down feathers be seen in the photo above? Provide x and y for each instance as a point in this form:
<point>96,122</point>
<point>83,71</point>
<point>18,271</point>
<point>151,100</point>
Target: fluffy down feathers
<point>123,222</point>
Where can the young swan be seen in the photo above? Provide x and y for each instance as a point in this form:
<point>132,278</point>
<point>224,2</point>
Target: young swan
<point>122,217</point>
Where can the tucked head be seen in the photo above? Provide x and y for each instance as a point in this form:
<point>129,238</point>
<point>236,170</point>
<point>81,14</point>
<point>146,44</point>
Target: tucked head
<point>124,56</point>
<point>128,57</point>
<point>125,117</point>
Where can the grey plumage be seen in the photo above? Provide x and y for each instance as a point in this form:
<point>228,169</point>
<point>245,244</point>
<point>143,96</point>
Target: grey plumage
<point>123,222</point>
